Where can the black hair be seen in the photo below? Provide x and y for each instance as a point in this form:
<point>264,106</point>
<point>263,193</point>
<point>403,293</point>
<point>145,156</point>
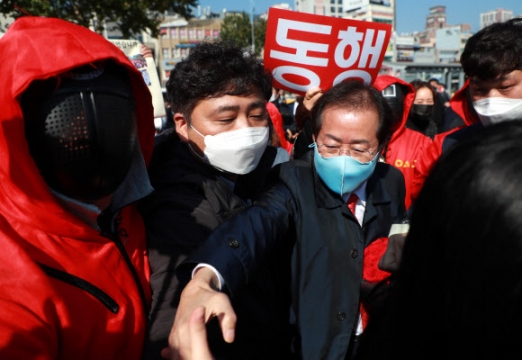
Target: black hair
<point>212,70</point>
<point>459,287</point>
<point>354,95</point>
<point>494,51</point>
<point>419,84</point>
<point>436,123</point>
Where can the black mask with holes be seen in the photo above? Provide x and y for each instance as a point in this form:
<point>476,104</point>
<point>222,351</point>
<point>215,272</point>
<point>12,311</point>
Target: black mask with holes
<point>81,129</point>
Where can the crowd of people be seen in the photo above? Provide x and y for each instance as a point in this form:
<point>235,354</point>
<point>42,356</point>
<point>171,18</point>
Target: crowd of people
<point>363,221</point>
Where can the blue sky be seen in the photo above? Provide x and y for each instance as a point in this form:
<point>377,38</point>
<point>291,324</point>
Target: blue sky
<point>411,14</point>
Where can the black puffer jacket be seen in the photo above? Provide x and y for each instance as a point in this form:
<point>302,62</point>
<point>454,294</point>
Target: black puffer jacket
<point>192,199</point>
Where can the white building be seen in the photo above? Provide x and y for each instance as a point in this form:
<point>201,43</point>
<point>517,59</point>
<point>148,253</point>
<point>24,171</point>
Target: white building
<point>494,16</point>
<point>450,43</point>
<point>382,11</point>
<point>311,6</point>
<point>405,47</point>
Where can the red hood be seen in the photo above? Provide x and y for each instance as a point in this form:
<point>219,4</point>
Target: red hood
<point>39,48</point>
<point>459,104</point>
<point>382,82</point>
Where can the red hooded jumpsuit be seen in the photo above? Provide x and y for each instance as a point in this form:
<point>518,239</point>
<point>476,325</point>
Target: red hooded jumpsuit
<point>67,292</point>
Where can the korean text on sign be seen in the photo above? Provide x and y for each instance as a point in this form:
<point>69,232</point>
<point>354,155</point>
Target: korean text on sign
<point>304,50</point>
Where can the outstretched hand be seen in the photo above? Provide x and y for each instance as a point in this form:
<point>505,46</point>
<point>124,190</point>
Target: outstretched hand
<point>198,337</point>
<point>199,303</point>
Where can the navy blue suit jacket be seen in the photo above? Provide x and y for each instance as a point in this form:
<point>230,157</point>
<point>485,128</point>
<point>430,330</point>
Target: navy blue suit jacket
<point>326,249</point>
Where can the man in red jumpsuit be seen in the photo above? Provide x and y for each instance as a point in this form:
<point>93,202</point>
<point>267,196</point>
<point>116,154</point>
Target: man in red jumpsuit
<point>403,148</point>
<point>76,132</point>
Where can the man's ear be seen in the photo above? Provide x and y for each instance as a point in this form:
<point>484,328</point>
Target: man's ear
<point>181,126</point>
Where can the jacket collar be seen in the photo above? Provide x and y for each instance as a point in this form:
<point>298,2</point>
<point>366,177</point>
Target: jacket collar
<point>324,197</point>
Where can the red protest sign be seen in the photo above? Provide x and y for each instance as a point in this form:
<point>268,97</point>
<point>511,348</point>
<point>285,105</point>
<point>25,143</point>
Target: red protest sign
<point>305,50</point>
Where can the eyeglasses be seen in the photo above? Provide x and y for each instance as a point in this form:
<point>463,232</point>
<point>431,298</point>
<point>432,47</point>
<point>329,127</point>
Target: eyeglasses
<point>355,151</point>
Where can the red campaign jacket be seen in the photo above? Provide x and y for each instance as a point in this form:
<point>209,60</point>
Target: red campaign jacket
<point>403,150</point>
<point>66,291</point>
<point>431,152</point>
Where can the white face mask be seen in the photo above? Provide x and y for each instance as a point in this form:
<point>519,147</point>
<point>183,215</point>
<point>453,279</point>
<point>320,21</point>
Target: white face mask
<point>495,110</point>
<point>237,151</point>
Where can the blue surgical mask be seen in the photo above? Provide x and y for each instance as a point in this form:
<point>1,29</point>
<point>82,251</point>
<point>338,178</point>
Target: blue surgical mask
<point>342,174</point>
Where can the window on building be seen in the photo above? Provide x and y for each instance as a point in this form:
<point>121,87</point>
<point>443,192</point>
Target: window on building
<point>215,34</point>
<point>165,52</point>
<point>173,33</point>
<point>382,21</point>
<point>340,2</point>
<point>339,10</point>
<point>191,34</point>
<point>182,33</point>
<point>332,10</point>
<point>200,34</point>
<point>332,2</point>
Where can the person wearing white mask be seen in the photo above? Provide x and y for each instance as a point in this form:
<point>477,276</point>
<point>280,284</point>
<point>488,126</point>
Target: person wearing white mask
<point>212,165</point>
<point>492,61</point>
<point>329,207</point>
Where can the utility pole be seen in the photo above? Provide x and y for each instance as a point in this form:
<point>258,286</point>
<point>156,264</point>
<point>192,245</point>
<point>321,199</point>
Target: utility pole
<point>252,27</point>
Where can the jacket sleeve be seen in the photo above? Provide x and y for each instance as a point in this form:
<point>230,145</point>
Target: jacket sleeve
<point>29,306</point>
<point>177,221</point>
<point>24,334</point>
<point>238,246</point>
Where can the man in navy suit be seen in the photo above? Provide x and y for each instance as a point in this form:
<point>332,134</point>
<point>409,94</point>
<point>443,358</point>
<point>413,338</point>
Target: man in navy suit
<point>308,209</point>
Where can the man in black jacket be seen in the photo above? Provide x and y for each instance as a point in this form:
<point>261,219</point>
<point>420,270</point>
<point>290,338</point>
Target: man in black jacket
<point>308,209</point>
<point>212,166</point>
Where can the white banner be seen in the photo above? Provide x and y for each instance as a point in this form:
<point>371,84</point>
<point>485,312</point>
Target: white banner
<point>147,67</point>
